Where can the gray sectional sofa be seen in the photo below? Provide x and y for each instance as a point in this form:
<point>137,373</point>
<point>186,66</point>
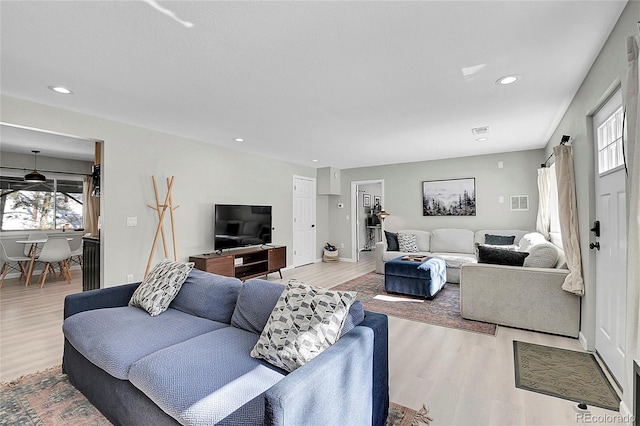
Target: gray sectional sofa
<point>528,297</point>
<point>191,364</point>
<point>455,246</point>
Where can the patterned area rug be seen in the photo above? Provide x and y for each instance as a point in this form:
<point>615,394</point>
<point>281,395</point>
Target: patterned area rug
<point>443,310</point>
<point>48,398</point>
<point>403,416</point>
<point>562,373</point>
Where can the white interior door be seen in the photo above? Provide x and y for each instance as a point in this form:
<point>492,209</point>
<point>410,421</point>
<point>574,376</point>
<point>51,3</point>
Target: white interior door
<point>304,220</point>
<point>612,253</point>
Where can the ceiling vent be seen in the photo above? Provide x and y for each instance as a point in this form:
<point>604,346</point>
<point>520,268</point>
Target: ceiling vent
<point>480,130</point>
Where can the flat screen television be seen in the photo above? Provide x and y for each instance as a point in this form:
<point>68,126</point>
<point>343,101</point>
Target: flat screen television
<point>240,225</point>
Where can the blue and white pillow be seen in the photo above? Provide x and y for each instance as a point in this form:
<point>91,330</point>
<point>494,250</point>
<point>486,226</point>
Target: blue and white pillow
<point>408,243</point>
<point>305,321</point>
<point>161,286</point>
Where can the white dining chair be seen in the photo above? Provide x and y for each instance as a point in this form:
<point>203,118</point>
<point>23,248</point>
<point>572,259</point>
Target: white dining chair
<point>75,245</point>
<point>55,250</point>
<point>7,259</point>
<point>29,247</point>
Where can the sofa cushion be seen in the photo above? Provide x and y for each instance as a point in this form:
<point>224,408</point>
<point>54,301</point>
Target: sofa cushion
<point>407,243</point>
<point>423,239</point>
<point>392,241</point>
<point>114,338</point>
<point>500,257</point>
<point>161,286</point>
<point>456,260</point>
<point>208,296</point>
<point>452,241</point>
<point>210,379</point>
<point>256,302</point>
<point>542,255</point>
<point>305,321</point>
<point>499,240</point>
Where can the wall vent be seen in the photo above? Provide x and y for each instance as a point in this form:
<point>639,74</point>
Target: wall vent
<point>519,203</point>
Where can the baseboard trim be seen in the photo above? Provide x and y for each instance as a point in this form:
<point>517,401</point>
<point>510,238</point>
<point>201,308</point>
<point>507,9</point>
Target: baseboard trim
<point>583,341</point>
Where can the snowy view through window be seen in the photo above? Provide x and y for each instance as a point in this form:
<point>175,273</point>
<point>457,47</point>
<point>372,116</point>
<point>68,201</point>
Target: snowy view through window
<point>54,204</point>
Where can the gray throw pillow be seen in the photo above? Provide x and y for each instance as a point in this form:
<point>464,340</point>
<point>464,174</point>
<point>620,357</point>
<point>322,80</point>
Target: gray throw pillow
<point>305,321</point>
<point>500,257</point>
<point>499,240</point>
<point>392,241</point>
<point>161,286</point>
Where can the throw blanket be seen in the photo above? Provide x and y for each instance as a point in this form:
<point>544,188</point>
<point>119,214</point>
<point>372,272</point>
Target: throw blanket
<point>437,268</point>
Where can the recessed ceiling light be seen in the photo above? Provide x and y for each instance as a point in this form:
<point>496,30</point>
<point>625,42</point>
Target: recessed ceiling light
<point>482,139</point>
<point>507,79</point>
<point>61,89</point>
<point>315,161</point>
<point>238,139</point>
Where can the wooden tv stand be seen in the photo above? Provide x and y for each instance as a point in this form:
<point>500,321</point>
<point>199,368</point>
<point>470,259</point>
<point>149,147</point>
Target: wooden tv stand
<point>243,263</point>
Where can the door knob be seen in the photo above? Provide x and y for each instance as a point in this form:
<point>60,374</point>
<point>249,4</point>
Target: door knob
<point>595,245</point>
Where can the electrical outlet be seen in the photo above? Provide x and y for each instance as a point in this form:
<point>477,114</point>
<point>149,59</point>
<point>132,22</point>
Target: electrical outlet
<point>132,221</point>
<point>129,278</point>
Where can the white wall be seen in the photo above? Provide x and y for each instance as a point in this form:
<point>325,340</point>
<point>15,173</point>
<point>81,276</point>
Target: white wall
<point>403,193</point>
<point>606,74</point>
<point>205,174</point>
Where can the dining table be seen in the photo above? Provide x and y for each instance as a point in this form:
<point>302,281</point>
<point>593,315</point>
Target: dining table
<point>32,254</point>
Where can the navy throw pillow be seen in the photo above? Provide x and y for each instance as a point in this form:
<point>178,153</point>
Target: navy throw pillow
<point>501,257</point>
<point>499,240</point>
<point>392,241</point>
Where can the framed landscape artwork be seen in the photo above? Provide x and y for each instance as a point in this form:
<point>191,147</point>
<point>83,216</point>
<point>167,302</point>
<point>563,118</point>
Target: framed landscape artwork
<point>454,197</point>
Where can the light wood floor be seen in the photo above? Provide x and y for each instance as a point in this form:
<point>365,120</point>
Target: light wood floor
<point>464,378</point>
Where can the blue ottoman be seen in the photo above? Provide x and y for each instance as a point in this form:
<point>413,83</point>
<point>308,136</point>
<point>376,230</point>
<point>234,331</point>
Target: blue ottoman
<point>409,277</point>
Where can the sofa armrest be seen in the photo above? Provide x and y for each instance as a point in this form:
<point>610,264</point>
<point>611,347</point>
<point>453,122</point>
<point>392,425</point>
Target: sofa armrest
<point>381,247</point>
<point>110,297</point>
<point>328,390</point>
<point>515,296</point>
<point>379,323</point>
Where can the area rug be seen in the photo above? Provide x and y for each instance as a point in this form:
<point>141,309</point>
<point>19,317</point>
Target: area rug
<point>443,310</point>
<point>563,373</point>
<point>403,416</point>
<point>48,398</point>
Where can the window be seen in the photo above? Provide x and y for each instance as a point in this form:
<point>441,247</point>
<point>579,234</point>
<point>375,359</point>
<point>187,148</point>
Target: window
<point>54,204</point>
<point>608,133</point>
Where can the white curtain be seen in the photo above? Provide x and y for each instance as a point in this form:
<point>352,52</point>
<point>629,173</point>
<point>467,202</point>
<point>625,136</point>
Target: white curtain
<point>543,221</point>
<point>91,209</point>
<point>568,212</point>
<point>632,153</point>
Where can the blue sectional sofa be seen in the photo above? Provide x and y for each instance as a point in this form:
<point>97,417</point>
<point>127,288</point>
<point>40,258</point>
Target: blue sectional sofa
<point>191,365</point>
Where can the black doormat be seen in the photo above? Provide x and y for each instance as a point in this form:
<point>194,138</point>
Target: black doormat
<point>563,373</point>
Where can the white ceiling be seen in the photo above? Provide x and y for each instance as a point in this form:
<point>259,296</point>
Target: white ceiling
<point>349,84</point>
<point>23,141</point>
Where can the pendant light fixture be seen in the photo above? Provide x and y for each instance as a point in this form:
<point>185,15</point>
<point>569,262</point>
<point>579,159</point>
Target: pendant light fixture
<point>34,176</point>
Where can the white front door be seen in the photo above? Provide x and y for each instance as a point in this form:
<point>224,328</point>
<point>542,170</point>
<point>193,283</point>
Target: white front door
<point>611,256</point>
<point>304,220</point>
